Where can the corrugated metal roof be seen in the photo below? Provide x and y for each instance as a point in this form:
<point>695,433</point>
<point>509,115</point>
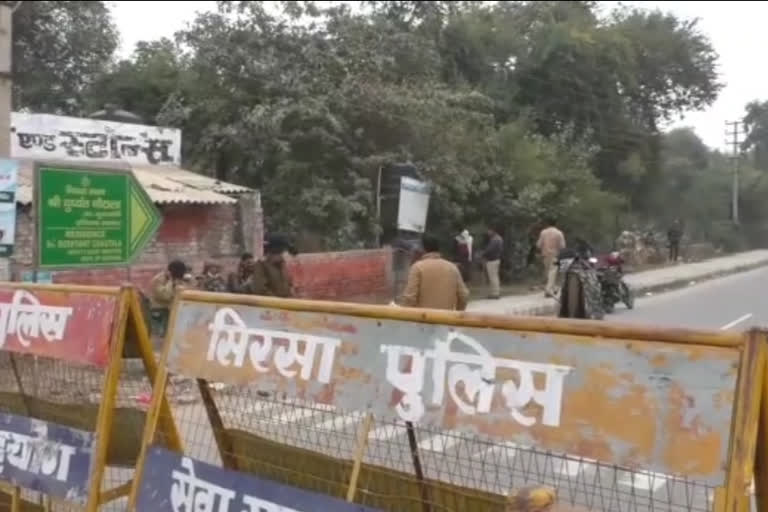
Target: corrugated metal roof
<point>164,184</point>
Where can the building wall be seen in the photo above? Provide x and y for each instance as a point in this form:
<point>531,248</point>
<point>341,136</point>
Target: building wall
<point>197,233</point>
<point>364,276</point>
<point>192,233</point>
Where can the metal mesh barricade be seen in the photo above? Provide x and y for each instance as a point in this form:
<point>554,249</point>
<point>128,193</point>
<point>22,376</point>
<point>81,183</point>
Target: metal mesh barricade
<point>645,424</point>
<point>313,446</point>
<point>71,411</point>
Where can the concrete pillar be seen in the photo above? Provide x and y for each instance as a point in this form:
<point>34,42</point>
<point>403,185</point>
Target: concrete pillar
<point>251,219</point>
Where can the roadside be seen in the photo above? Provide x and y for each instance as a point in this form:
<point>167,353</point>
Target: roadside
<point>648,281</point>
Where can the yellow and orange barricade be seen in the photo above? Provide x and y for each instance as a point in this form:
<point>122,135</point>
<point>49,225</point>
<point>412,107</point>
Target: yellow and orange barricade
<point>70,417</point>
<point>308,406</point>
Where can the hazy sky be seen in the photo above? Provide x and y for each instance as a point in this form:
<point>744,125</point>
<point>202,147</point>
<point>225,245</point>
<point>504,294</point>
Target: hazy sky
<point>737,30</point>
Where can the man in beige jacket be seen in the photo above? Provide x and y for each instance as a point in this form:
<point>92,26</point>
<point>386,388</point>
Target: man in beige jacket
<point>551,242</point>
<point>433,282</point>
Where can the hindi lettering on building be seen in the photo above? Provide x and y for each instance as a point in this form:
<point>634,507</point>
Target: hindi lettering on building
<point>477,372</point>
<point>192,494</point>
<point>27,319</point>
<point>231,341</point>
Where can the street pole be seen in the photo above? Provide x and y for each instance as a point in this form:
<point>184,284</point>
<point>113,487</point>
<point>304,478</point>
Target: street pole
<point>6,26</point>
<point>734,140</point>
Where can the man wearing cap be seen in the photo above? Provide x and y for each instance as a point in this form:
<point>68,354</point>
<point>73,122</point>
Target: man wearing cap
<point>269,275</point>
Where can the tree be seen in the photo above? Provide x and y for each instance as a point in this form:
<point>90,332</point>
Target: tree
<point>512,110</point>
<point>142,84</point>
<point>59,47</point>
<point>756,142</point>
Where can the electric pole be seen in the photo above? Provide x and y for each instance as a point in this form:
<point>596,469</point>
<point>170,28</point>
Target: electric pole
<point>6,25</point>
<point>734,139</point>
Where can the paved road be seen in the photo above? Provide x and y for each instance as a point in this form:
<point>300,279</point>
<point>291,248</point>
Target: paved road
<point>734,302</point>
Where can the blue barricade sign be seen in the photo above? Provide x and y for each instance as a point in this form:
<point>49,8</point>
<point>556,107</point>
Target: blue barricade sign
<point>45,457</point>
<point>172,482</point>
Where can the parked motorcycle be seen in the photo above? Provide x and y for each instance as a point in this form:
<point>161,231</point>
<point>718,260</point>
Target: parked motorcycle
<point>580,296</point>
<point>613,288</point>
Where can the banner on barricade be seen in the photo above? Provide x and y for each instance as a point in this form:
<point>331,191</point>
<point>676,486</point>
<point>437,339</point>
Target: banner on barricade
<point>175,482</point>
<point>61,351</point>
<point>589,399</point>
<point>628,400</point>
<point>45,457</point>
<point>73,327</point>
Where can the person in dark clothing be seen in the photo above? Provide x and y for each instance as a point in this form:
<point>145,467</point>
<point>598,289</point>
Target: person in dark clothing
<point>674,235</point>
<point>212,279</point>
<point>237,279</point>
<point>492,257</point>
<point>269,276</point>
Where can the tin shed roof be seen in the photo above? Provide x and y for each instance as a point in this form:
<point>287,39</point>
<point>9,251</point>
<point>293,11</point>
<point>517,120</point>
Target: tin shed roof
<point>164,185</point>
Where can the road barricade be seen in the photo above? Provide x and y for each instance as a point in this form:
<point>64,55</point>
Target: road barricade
<point>426,411</point>
<point>70,418</point>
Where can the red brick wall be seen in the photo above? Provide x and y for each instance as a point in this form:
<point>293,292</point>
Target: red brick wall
<point>192,233</point>
<point>196,233</point>
<point>350,275</point>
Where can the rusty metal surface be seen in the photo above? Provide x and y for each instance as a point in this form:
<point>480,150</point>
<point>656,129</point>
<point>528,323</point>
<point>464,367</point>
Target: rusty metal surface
<point>632,403</point>
<point>69,326</point>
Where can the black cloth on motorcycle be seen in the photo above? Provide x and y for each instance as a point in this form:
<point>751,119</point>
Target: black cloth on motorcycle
<point>591,299</point>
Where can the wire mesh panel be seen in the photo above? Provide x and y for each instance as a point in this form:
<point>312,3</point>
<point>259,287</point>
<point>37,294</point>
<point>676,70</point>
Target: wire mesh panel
<point>402,411</point>
<point>54,365</point>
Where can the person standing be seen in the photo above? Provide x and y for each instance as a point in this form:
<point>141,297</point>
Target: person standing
<point>212,279</point>
<point>270,275</point>
<point>236,280</point>
<point>163,289</point>
<point>492,256</point>
<point>551,242</point>
<point>674,235</point>
<point>464,254</point>
<point>434,282</point>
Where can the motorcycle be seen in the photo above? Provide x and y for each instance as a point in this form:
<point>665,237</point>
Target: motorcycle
<point>580,296</point>
<point>613,288</point>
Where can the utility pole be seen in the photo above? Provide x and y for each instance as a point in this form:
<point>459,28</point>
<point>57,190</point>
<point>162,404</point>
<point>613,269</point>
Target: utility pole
<point>6,25</point>
<point>734,139</point>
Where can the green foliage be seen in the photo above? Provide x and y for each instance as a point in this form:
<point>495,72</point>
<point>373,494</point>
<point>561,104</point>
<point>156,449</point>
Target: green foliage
<point>513,110</point>
<point>756,142</point>
<point>58,50</point>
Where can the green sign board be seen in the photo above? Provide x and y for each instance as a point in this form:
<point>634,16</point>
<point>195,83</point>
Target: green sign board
<point>91,217</point>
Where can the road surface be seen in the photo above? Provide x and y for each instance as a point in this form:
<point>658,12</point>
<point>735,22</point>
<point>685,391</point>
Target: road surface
<point>735,302</point>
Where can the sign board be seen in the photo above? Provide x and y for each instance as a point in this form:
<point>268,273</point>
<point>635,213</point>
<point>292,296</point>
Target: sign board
<point>9,177</point>
<point>173,482</point>
<point>45,457</point>
<point>91,217</point>
<point>413,205</point>
<point>50,137</point>
<point>629,403</point>
<point>73,327</point>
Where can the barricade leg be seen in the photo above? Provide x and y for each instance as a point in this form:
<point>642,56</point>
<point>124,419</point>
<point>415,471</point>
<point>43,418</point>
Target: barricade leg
<point>144,344</point>
<point>106,411</point>
<point>761,455</point>
<point>223,441</point>
<point>362,444</point>
<point>423,488</point>
<point>158,407</point>
<point>747,412</point>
